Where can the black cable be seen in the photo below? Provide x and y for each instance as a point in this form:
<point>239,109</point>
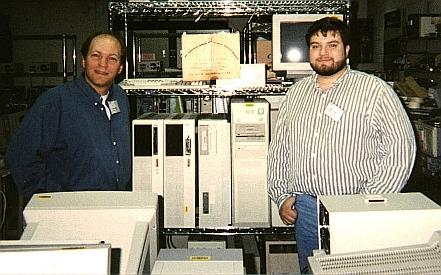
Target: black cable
<point>4,209</point>
<point>172,245</point>
<point>167,241</point>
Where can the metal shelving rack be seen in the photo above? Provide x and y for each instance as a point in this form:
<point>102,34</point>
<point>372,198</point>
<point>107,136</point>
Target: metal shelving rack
<point>27,72</point>
<point>64,38</point>
<point>126,17</point>
<point>193,9</point>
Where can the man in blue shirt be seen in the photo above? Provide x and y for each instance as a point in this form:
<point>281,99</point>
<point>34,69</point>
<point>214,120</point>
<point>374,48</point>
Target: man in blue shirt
<point>76,136</point>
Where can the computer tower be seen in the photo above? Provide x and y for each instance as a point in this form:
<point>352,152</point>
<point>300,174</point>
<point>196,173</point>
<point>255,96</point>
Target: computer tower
<point>164,162</point>
<point>429,137</point>
<point>351,223</point>
<point>214,167</point>
<point>274,102</point>
<point>199,261</point>
<point>281,257</point>
<point>148,153</point>
<point>180,171</point>
<point>249,151</point>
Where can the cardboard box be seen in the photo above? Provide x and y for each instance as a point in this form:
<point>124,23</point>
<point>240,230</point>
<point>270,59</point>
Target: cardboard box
<point>264,52</point>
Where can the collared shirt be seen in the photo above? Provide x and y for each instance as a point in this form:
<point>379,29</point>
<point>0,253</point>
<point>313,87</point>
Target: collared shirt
<point>104,103</point>
<point>354,138</point>
<point>66,142</point>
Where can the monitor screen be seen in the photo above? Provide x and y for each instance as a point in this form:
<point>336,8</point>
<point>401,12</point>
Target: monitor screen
<point>290,52</point>
<point>292,48</point>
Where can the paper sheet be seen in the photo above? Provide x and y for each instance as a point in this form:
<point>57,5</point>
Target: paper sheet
<point>210,56</point>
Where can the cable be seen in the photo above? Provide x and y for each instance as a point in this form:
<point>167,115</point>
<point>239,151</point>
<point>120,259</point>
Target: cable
<point>4,209</point>
<point>167,240</point>
<point>170,243</point>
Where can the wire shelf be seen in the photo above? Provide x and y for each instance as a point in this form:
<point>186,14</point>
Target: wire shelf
<point>193,9</point>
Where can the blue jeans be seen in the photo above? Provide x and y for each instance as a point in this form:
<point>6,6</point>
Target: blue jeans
<point>306,228</point>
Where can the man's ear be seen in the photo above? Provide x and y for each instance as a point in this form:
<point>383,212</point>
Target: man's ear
<point>347,49</point>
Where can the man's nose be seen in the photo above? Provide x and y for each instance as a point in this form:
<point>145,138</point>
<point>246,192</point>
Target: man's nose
<point>323,51</point>
<point>103,62</point>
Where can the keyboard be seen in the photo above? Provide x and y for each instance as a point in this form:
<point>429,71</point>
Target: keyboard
<point>162,84</point>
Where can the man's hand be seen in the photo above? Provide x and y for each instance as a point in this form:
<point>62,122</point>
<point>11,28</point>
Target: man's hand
<point>287,211</point>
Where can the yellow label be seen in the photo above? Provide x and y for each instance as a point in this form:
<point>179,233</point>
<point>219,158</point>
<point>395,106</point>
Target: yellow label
<point>44,196</point>
<point>249,104</point>
<point>186,209</point>
<point>200,258</point>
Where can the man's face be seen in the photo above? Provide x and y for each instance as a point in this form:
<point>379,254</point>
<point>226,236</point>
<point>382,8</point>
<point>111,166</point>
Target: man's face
<point>102,63</point>
<point>327,54</point>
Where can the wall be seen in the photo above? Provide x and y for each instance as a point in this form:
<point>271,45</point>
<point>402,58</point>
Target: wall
<point>52,17</point>
<point>81,17</point>
<point>377,8</point>
<point>78,17</point>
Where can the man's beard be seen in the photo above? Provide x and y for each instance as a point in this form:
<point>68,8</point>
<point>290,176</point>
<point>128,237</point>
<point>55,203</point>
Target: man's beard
<point>325,70</point>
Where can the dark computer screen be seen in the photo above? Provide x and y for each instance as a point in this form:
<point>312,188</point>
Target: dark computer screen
<point>292,39</point>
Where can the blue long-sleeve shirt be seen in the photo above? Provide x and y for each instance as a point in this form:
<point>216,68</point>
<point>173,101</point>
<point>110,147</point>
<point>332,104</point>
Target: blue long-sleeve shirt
<point>67,143</point>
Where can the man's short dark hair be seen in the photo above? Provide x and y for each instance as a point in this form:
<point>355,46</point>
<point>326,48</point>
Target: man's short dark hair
<point>86,44</point>
<point>327,24</point>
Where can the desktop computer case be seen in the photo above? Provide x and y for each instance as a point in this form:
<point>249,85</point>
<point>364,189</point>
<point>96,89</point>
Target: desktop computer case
<point>351,223</point>
<point>164,162</point>
<point>148,153</point>
<point>274,102</point>
<point>214,166</point>
<point>249,147</point>
<point>180,171</point>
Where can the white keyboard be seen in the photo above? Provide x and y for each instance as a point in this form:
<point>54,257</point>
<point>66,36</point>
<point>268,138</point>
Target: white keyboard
<point>162,84</point>
<point>413,259</point>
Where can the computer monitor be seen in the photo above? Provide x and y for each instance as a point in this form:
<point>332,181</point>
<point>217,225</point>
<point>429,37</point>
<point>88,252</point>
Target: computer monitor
<point>18,257</point>
<point>126,220</point>
<point>290,52</point>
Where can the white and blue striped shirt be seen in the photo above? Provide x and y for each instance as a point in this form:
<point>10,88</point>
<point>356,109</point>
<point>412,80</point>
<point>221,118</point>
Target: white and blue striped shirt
<point>369,149</point>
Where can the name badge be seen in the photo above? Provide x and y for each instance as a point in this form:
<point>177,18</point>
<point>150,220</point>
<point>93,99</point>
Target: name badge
<point>334,112</point>
<point>113,106</point>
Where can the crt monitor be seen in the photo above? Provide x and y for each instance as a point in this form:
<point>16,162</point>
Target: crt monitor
<point>290,52</point>
<point>18,257</point>
<point>126,220</point>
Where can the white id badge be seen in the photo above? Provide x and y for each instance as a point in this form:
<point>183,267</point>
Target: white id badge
<point>113,106</point>
<point>334,112</point>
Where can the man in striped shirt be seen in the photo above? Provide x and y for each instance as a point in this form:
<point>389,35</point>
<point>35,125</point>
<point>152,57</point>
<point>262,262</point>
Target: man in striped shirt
<point>339,131</point>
